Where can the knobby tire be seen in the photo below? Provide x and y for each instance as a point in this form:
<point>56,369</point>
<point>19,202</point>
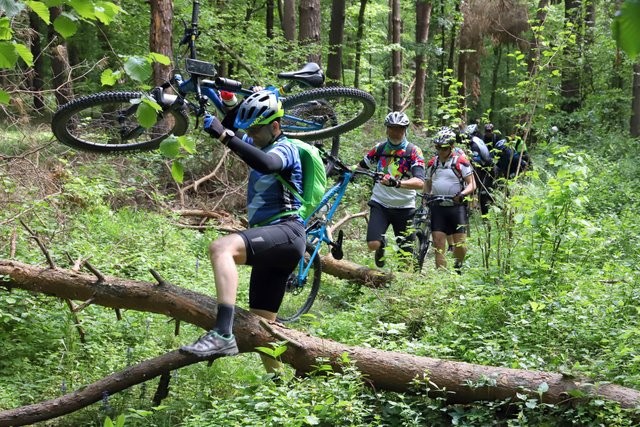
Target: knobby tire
<point>106,122</point>
<point>298,298</point>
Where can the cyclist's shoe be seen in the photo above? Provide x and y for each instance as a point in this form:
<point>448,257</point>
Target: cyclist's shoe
<point>212,344</point>
<point>379,255</point>
<point>458,267</point>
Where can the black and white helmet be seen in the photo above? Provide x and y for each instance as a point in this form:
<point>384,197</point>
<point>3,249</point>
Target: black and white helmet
<point>471,130</point>
<point>396,118</point>
<point>445,136</point>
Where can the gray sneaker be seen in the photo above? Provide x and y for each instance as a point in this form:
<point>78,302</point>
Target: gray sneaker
<point>211,344</point>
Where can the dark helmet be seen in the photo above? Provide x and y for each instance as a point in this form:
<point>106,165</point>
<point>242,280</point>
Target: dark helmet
<point>488,127</point>
<point>396,118</point>
<point>259,108</point>
<point>445,136</point>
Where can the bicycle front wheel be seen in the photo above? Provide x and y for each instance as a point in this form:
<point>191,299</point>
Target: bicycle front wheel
<point>301,291</point>
<point>422,243</point>
<point>336,110</point>
<point>106,122</point>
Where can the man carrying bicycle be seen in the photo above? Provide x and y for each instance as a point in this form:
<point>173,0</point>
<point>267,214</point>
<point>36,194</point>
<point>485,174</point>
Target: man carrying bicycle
<point>393,199</point>
<point>275,241</point>
<point>449,173</point>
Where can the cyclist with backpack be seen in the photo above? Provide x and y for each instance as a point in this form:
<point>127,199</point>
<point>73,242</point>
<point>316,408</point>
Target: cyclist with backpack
<point>275,241</point>
<point>393,198</point>
<point>449,173</point>
<point>482,162</point>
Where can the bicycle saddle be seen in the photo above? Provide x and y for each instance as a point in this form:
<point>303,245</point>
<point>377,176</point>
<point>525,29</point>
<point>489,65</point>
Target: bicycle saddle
<point>309,75</point>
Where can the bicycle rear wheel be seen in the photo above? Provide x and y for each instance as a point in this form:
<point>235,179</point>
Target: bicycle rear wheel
<point>336,110</point>
<point>300,293</point>
<point>106,122</point>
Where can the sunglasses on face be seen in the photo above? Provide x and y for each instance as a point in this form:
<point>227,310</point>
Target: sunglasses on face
<point>442,147</point>
<point>255,129</point>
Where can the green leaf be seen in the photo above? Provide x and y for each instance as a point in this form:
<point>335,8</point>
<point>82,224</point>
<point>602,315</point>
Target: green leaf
<point>24,53</point>
<point>40,9</point>
<point>312,420</point>
<point>65,26</point>
<point>138,68</point>
<point>146,114</point>
<point>109,77</point>
<point>4,97</point>
<point>8,55</point>
<point>6,33</point>
<point>105,11</point>
<point>120,420</point>
<point>160,58</point>
<point>83,8</point>
<point>177,171</point>
<point>108,422</point>
<point>266,350</point>
<point>170,147</point>
<point>11,7</point>
<point>626,27</point>
<point>188,144</point>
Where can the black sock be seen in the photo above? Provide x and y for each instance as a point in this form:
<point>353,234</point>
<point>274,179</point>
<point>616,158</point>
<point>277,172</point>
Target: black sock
<point>224,321</point>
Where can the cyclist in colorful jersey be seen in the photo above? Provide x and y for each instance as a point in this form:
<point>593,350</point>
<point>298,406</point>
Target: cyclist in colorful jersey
<point>275,241</point>
<point>393,199</point>
<point>449,173</point>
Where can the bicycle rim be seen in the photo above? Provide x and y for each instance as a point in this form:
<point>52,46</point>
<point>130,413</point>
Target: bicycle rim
<point>339,110</point>
<point>106,122</point>
<point>299,295</point>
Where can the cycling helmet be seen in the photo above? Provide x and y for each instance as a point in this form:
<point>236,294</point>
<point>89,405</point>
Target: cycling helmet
<point>488,127</point>
<point>259,108</point>
<point>471,130</point>
<point>445,136</point>
<point>396,118</point>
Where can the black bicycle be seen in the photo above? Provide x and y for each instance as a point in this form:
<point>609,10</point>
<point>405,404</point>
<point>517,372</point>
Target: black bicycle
<point>422,225</point>
<point>108,121</point>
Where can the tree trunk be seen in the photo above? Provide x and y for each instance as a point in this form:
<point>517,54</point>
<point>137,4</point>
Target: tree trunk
<point>635,102</point>
<point>309,35</point>
<point>60,66</point>
<point>160,37</point>
<point>423,19</point>
<point>336,36</point>
<point>289,20</point>
<point>454,381</point>
<point>570,84</point>
<point>359,36</point>
<point>37,72</point>
<point>395,32</point>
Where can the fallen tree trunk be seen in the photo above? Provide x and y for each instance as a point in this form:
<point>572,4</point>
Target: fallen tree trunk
<point>456,381</point>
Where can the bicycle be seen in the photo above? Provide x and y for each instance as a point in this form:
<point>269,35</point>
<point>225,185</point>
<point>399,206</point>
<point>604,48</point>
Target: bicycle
<point>304,283</point>
<point>422,226</point>
<point>106,122</point>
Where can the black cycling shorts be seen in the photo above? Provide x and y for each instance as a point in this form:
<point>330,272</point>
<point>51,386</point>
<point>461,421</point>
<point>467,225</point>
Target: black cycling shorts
<point>381,217</point>
<point>449,219</point>
<point>273,252</point>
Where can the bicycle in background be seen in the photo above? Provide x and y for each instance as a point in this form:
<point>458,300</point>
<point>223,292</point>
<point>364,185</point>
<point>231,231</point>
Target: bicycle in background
<point>422,226</point>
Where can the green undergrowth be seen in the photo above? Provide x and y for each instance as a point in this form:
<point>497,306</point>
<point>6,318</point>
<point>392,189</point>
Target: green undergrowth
<point>551,287</point>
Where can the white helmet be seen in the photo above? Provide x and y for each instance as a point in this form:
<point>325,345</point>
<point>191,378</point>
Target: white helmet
<point>396,118</point>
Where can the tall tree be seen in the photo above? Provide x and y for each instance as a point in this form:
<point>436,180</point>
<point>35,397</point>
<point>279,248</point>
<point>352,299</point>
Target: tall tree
<point>289,19</point>
<point>336,36</point>
<point>395,33</point>
<point>423,19</point>
<point>37,72</point>
<point>359,36</point>
<point>160,36</point>
<point>635,106</point>
<point>309,35</point>
<point>570,86</point>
